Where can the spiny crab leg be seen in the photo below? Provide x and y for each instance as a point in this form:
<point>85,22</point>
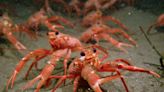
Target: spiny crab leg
<point>34,63</point>
<point>66,60</point>
<point>53,27</point>
<point>64,3</point>
<point>109,4</point>
<point>117,30</point>
<point>13,40</point>
<point>34,54</point>
<point>115,66</point>
<point>61,80</point>
<point>91,3</point>
<point>47,70</point>
<point>47,7</point>
<point>107,18</point>
<point>21,28</point>
<point>137,69</point>
<point>59,18</point>
<point>77,9</point>
<point>117,44</point>
<point>94,80</point>
<point>120,60</point>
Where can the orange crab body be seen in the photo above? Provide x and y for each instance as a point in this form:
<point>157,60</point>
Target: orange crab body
<point>7,27</point>
<point>40,18</point>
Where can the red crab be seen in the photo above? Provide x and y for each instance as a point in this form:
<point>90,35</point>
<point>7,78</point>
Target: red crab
<point>7,28</point>
<point>97,16</point>
<point>47,6</point>
<point>102,4</point>
<point>87,67</point>
<point>52,23</point>
<point>62,45</point>
<point>100,31</point>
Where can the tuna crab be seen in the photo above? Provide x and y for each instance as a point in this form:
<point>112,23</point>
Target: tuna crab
<point>47,6</point>
<point>88,65</point>
<point>100,31</point>
<point>102,4</point>
<point>97,16</point>
<point>67,46</point>
<point>52,23</point>
<point>7,28</point>
<point>62,45</point>
<point>97,5</point>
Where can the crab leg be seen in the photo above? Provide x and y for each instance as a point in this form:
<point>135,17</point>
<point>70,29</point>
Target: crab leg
<point>22,28</point>
<point>128,67</point>
<point>34,63</point>
<point>64,3</point>
<point>62,80</point>
<point>47,70</point>
<point>91,3</point>
<point>34,54</point>
<point>13,40</point>
<point>122,61</point>
<point>76,81</point>
<point>43,76</point>
<point>113,67</point>
<point>109,4</point>
<point>137,69</point>
<point>106,68</point>
<point>107,18</point>
<point>97,4</point>
<point>114,42</point>
<point>66,60</point>
<point>78,11</point>
<point>59,18</point>
<point>47,7</point>
<point>94,80</point>
<point>53,27</point>
<point>117,30</point>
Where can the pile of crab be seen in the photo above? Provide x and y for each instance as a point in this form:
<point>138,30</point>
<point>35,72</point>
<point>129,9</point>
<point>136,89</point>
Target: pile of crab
<point>92,58</point>
<point>86,65</point>
<point>82,7</point>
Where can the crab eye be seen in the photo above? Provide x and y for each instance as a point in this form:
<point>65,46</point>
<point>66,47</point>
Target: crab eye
<point>56,33</point>
<point>94,50</point>
<point>82,54</point>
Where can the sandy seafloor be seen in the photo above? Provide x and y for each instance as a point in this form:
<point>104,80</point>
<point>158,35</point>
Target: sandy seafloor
<point>141,56</point>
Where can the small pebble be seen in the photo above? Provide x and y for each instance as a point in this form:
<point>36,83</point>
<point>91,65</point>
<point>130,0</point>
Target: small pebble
<point>129,13</point>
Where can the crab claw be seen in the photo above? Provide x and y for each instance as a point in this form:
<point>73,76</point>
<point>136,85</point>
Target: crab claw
<point>137,69</point>
<point>133,41</point>
<point>11,80</point>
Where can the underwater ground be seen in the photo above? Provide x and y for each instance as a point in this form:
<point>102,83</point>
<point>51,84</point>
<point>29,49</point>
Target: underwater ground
<point>141,56</point>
